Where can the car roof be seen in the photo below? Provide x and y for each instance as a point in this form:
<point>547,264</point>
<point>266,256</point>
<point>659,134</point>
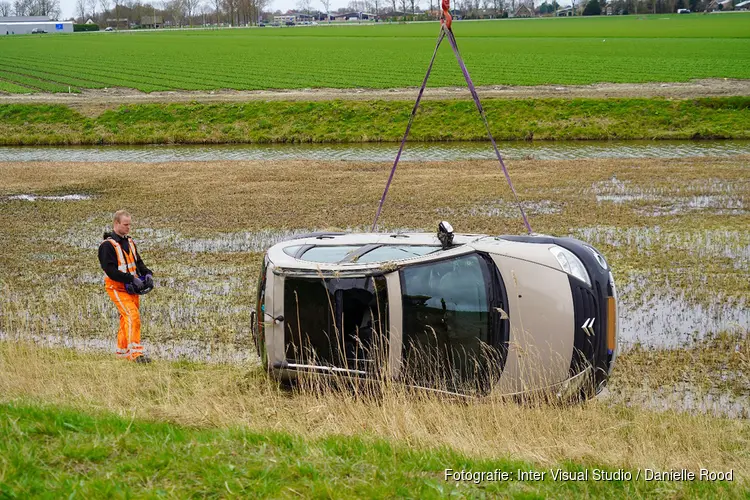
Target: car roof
<point>288,257</point>
<point>291,253</point>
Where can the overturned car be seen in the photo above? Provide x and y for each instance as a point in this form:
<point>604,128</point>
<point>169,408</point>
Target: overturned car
<point>463,313</point>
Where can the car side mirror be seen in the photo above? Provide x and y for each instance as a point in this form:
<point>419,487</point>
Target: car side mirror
<point>445,234</point>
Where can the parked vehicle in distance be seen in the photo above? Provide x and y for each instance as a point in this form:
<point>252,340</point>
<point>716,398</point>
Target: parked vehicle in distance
<point>683,11</point>
<point>109,28</point>
<point>275,23</point>
<point>261,24</point>
<point>289,23</point>
<point>463,313</point>
<point>37,31</point>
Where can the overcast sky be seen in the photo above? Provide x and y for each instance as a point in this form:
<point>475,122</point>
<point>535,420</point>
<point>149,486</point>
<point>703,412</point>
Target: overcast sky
<point>69,6</point>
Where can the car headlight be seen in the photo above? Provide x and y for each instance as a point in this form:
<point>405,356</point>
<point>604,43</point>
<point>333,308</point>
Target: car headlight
<point>570,263</point>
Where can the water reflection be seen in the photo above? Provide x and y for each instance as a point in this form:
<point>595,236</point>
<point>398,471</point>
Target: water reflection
<point>378,152</point>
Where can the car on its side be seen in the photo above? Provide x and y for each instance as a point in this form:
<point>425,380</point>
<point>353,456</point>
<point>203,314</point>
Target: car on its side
<point>463,313</point>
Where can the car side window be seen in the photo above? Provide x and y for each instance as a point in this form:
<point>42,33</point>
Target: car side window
<point>446,319</point>
<point>396,252</point>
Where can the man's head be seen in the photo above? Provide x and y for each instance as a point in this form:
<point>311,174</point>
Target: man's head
<point>121,224</point>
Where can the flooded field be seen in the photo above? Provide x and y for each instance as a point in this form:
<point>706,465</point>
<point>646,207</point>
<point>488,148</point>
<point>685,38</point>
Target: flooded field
<point>674,230</point>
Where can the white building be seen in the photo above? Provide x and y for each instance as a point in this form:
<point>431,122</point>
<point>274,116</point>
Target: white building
<point>35,24</point>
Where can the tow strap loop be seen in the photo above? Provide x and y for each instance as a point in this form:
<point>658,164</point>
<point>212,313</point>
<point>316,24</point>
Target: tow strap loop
<point>475,96</point>
<point>408,128</point>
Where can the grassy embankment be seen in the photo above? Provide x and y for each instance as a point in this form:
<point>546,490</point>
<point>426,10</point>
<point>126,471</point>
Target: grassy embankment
<point>660,48</point>
<point>679,234</point>
<point>73,423</point>
<point>343,121</point>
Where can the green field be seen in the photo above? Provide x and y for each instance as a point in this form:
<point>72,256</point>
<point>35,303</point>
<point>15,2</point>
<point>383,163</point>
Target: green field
<point>503,52</point>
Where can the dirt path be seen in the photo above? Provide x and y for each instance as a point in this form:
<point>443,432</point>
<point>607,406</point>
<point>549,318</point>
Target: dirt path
<point>103,98</point>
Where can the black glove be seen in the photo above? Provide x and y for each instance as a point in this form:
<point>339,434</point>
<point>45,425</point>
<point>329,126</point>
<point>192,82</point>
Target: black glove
<point>134,287</point>
<point>148,281</point>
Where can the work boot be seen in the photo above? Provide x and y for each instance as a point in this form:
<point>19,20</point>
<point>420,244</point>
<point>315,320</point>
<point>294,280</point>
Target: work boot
<point>143,359</point>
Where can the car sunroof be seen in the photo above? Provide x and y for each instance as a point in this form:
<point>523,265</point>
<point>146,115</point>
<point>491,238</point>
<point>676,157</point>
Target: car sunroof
<point>396,252</point>
<point>329,254</point>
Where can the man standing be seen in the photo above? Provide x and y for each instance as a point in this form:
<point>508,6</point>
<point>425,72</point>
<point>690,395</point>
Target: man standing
<point>126,278</point>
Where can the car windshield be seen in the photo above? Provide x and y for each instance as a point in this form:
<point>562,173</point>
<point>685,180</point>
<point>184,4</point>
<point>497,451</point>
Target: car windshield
<point>338,321</point>
<point>396,252</point>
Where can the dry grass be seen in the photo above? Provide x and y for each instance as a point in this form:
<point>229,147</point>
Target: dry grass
<point>217,395</point>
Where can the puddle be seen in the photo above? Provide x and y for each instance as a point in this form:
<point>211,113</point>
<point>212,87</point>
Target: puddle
<point>683,398</point>
<point>673,322</point>
<point>504,209</point>
<point>378,152</point>
<point>712,196</point>
<point>169,351</point>
<point>704,244</point>
<point>35,197</point>
<point>716,205</point>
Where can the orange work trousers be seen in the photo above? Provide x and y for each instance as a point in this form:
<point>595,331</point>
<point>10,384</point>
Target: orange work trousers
<point>129,335</point>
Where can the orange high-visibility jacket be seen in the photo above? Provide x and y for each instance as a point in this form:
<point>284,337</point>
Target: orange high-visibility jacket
<point>125,263</point>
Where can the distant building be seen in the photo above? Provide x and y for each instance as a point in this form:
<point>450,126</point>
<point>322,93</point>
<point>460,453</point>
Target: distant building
<point>285,19</point>
<point>117,21</point>
<point>357,16</point>
<point>523,10</point>
<point>743,5</point>
<point>26,25</point>
<point>720,5</point>
<point>152,22</point>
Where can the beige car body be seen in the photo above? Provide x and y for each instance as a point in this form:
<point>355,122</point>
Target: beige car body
<point>539,305</point>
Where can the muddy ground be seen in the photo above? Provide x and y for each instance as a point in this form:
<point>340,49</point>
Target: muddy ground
<point>103,98</point>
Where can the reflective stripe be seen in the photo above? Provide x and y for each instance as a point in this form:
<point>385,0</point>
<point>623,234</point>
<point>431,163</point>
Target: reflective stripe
<point>125,264</point>
<point>127,315</point>
<point>135,347</point>
<point>133,250</point>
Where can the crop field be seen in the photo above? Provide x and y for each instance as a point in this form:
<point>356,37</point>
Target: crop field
<point>662,48</point>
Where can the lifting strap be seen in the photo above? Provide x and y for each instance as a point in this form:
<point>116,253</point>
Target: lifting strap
<point>446,31</point>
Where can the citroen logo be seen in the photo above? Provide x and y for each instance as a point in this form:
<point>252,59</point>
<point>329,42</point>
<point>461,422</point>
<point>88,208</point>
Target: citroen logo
<point>588,326</point>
